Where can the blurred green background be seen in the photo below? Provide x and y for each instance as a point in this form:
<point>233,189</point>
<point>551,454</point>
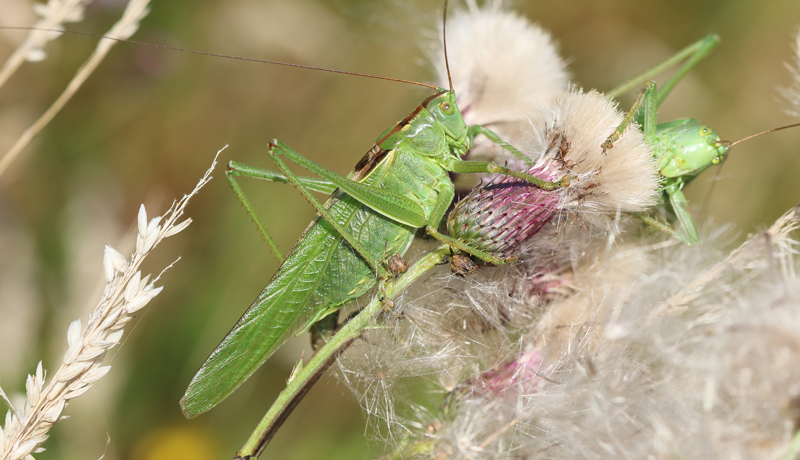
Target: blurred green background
<point>148,123</point>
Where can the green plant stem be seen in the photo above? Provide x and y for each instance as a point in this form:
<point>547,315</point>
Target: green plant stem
<point>305,375</point>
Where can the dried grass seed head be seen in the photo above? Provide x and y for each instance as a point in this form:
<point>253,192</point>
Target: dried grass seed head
<point>125,293</point>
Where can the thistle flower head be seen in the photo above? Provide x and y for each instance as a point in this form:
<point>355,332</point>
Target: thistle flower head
<point>565,137</point>
<point>498,217</point>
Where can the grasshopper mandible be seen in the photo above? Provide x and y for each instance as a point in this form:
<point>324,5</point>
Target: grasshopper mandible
<point>400,185</point>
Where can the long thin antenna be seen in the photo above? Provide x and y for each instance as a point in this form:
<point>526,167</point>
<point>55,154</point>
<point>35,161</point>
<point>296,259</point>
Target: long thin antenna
<point>731,144</point>
<point>444,42</point>
<point>239,58</point>
<point>765,132</point>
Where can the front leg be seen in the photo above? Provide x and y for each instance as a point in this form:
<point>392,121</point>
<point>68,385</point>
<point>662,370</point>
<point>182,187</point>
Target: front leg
<point>473,167</point>
<point>681,208</point>
<point>647,100</point>
<point>474,130</point>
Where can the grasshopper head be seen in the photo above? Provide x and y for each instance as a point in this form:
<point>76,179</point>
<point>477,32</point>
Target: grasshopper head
<point>444,109</point>
<point>696,147</point>
<point>715,148</point>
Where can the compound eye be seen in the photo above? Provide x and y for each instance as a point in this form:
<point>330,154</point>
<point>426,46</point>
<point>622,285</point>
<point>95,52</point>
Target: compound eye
<point>704,131</point>
<point>448,108</point>
<point>716,161</point>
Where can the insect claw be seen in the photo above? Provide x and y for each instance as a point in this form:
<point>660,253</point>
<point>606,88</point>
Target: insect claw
<point>462,265</point>
<point>565,181</point>
<point>396,265</point>
<point>608,144</point>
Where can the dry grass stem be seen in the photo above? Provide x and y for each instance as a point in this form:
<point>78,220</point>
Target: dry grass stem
<point>135,11</point>
<point>125,293</point>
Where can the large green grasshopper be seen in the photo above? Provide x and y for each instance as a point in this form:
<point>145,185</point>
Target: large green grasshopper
<point>400,185</point>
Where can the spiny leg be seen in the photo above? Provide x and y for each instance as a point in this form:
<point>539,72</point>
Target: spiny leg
<point>230,174</point>
<point>236,169</point>
<point>276,150</point>
<point>397,207</point>
<point>468,167</point>
<point>473,167</point>
<point>692,54</point>
<point>661,226</point>
<point>647,96</point>
<point>699,51</point>
<point>314,184</point>
<point>464,247</point>
<point>474,130</point>
<point>681,208</point>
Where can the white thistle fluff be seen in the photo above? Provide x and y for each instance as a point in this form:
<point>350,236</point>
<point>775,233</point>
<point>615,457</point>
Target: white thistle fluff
<point>125,293</point>
<point>642,350</point>
<point>664,351</point>
<point>571,126</point>
<point>502,66</point>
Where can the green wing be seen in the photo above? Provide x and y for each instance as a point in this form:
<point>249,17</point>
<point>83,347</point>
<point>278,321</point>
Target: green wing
<point>322,273</point>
